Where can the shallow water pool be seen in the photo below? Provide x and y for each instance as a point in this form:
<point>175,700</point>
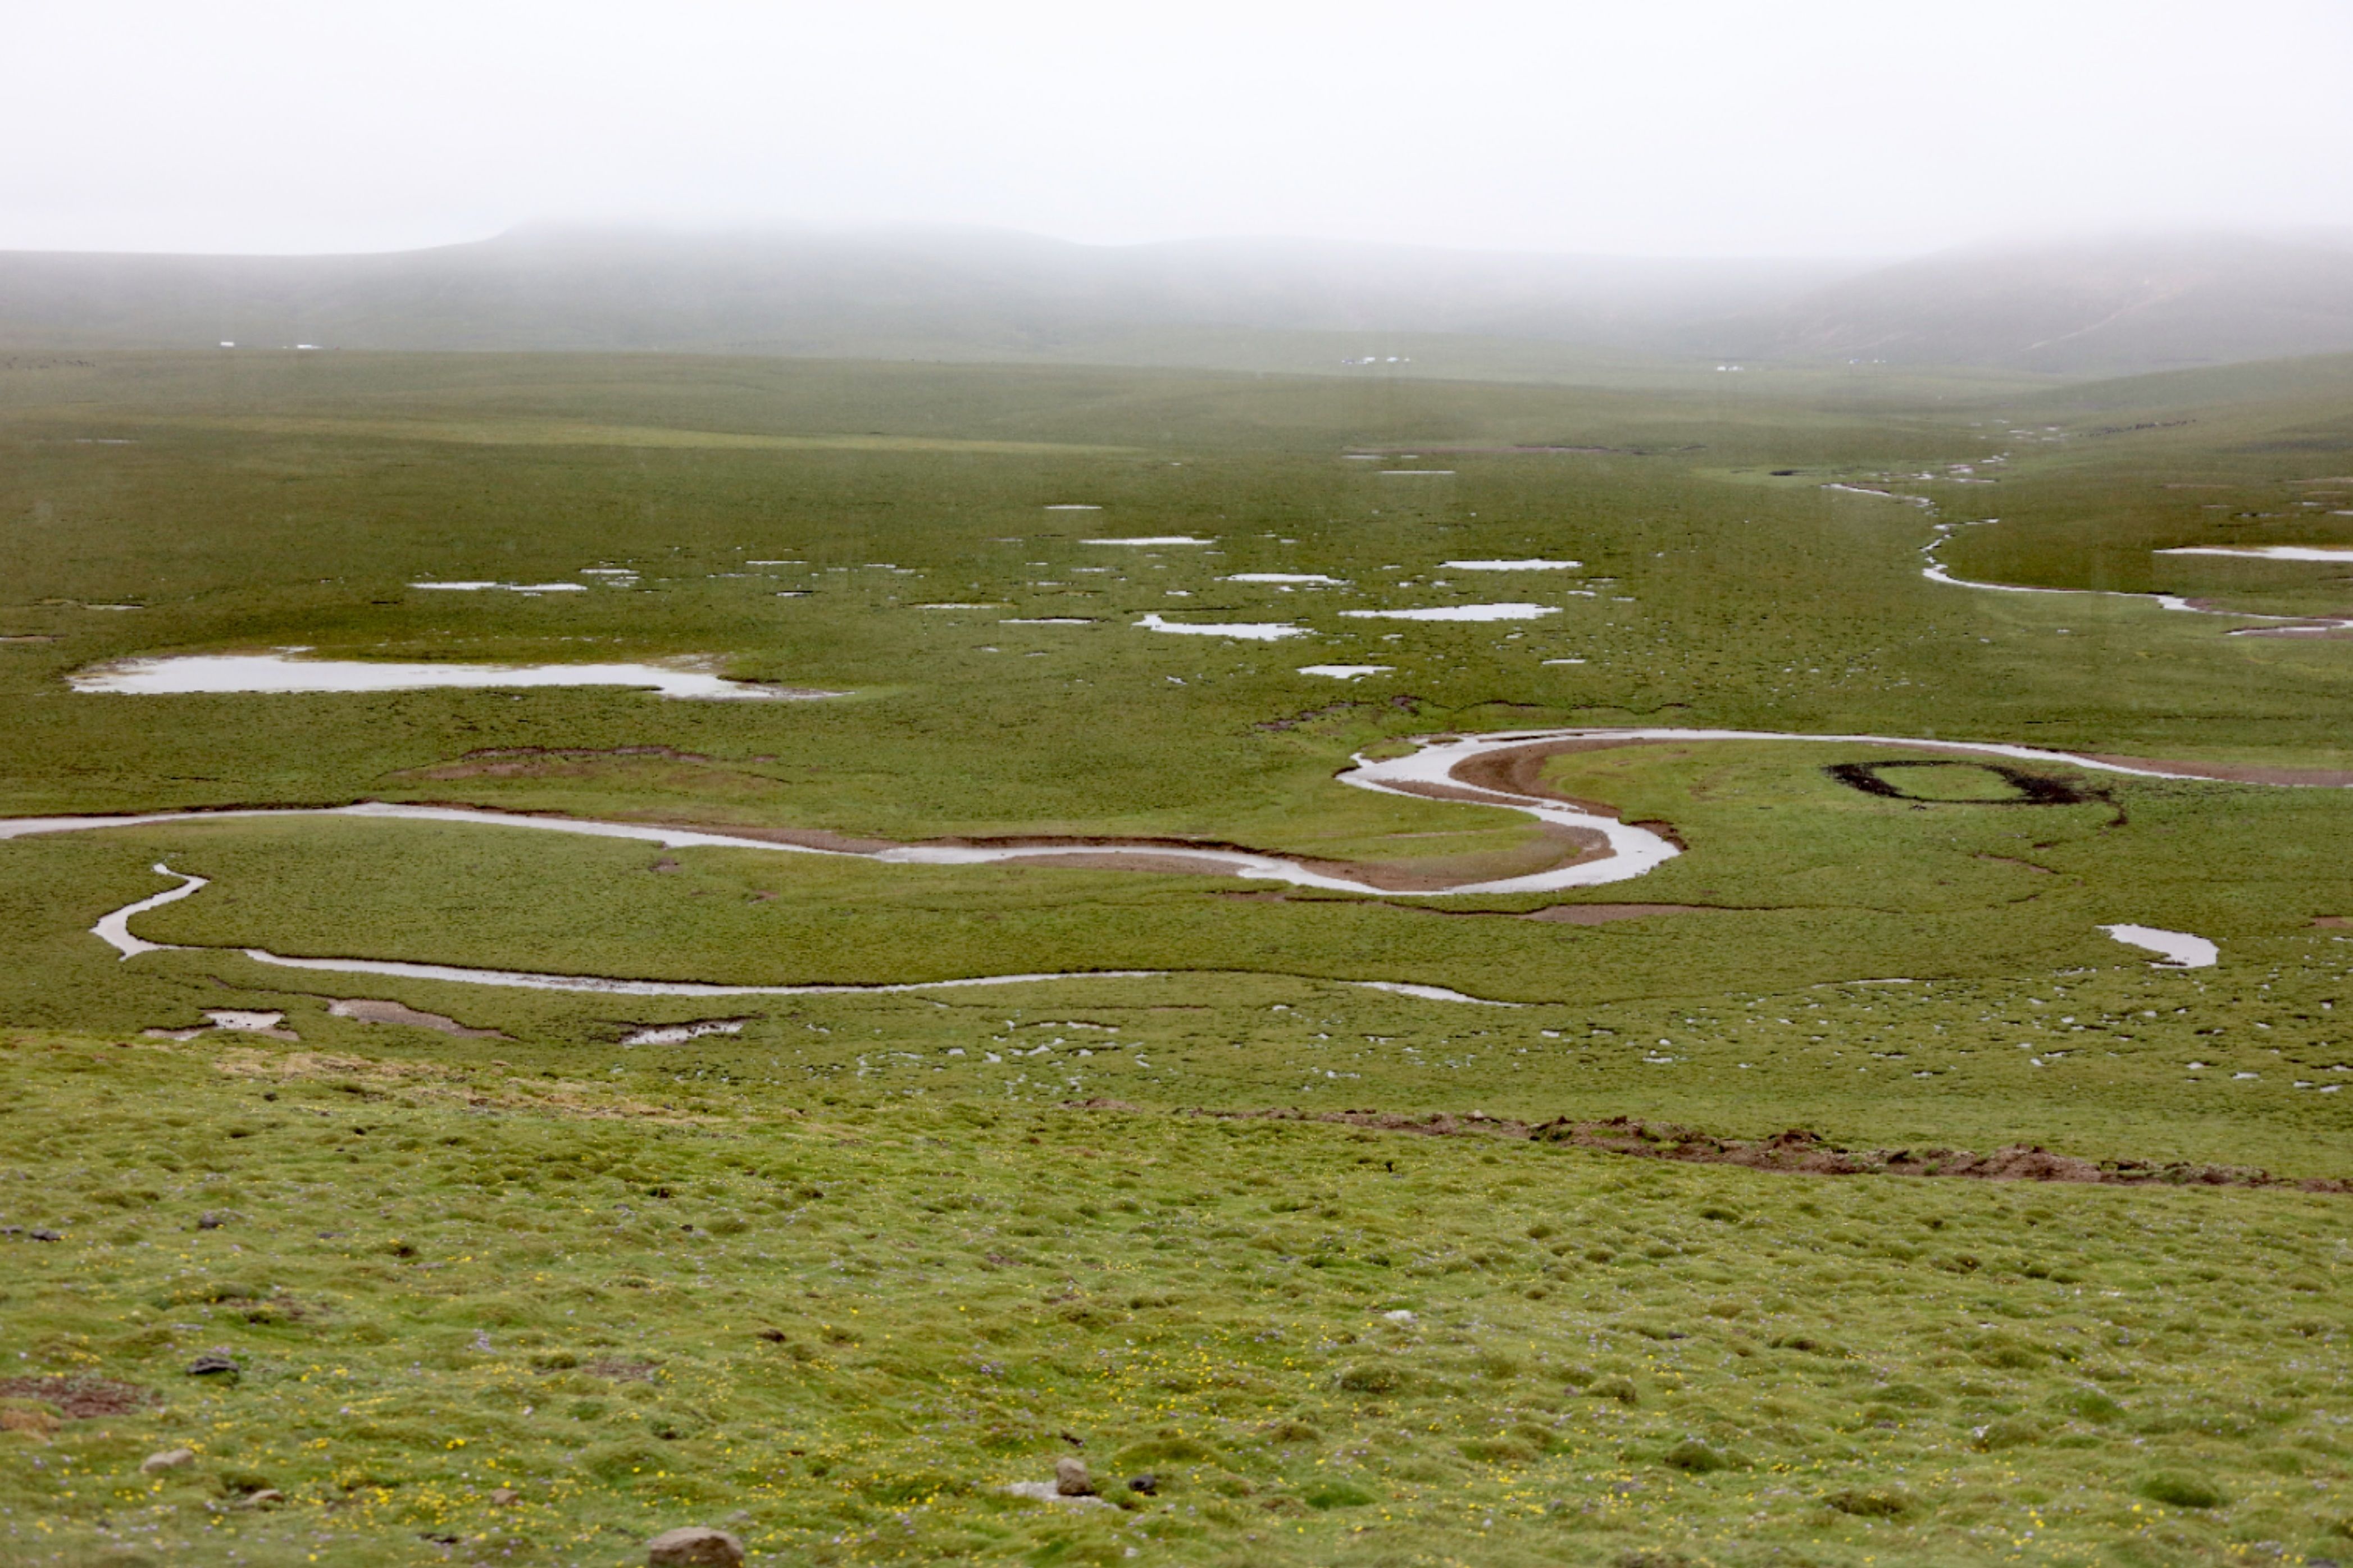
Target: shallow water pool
<point>197,674</point>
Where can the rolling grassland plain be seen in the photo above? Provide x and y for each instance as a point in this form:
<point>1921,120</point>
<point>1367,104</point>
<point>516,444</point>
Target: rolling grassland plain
<point>1335,1274</point>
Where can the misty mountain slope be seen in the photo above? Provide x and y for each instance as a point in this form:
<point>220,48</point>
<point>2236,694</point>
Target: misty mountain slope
<point>2112,308</point>
<point>888,293</point>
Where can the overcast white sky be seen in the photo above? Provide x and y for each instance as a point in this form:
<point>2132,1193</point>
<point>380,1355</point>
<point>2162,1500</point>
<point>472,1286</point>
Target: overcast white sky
<point>1630,126</point>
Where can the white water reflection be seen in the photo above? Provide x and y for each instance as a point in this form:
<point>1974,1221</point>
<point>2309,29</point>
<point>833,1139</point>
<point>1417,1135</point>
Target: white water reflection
<point>1262,631</point>
<point>275,673</point>
<point>2179,949</point>
<point>2339,552</point>
<point>1509,565</point>
<point>506,587</point>
<point>114,930</point>
<point>1458,613</point>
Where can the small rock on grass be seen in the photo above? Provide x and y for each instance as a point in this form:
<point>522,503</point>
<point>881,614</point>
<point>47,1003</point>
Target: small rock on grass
<point>694,1546</point>
<point>503,1497</point>
<point>1071,1478</point>
<point>169,1460</point>
<point>1043,1491</point>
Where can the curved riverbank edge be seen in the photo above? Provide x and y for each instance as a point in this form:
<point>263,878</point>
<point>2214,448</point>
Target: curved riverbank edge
<point>1498,769</point>
<point>113,930</point>
<point>1937,571</point>
<point>1501,769</point>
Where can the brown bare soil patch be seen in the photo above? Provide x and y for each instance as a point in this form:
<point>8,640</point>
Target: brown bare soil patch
<point>1519,769</point>
<point>2333,922</point>
<point>1793,1153</point>
<point>79,1396</point>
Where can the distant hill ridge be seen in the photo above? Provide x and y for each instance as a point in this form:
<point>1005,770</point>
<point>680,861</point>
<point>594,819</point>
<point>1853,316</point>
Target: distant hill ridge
<point>2086,308</point>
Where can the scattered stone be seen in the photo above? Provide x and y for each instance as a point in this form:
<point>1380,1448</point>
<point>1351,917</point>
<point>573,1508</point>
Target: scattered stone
<point>169,1460</point>
<point>504,1496</point>
<point>1149,1484</point>
<point>1045,1491</point>
<point>212,1366</point>
<point>1070,1478</point>
<point>268,1497</point>
<point>211,1219</point>
<point>38,1235</point>
<point>694,1546</point>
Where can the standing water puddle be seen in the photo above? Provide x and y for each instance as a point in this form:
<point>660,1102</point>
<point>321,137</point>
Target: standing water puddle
<point>2179,949</point>
<point>270,672</point>
<point>1264,631</point>
<point>1510,565</point>
<point>2340,552</point>
<point>1458,613</point>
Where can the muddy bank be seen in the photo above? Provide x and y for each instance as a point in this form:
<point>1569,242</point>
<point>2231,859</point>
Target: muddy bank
<point>1553,914</point>
<point>1795,1153</point>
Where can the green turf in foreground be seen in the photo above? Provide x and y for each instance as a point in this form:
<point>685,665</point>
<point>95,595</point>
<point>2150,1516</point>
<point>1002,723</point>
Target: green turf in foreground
<point>466,1293</point>
<point>844,1326</point>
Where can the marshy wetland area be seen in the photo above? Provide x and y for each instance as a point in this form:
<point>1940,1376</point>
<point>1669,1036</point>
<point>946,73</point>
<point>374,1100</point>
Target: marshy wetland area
<point>1703,972</point>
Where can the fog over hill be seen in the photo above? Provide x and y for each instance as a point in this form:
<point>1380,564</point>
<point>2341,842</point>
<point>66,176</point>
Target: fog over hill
<point>2107,307</point>
<point>2086,308</point>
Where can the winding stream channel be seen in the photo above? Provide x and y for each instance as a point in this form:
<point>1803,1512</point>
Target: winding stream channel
<point>1501,770</point>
